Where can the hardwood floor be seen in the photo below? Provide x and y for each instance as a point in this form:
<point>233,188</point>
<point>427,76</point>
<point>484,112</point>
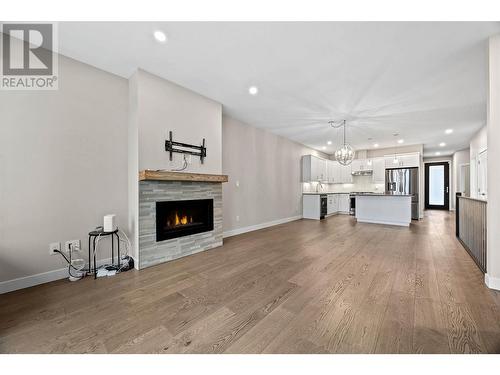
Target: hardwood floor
<point>304,287</point>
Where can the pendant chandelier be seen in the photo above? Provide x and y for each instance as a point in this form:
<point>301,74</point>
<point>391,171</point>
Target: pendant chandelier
<point>345,154</point>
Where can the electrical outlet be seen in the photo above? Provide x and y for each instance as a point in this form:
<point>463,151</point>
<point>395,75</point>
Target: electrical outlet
<point>71,245</point>
<point>54,247</point>
<point>188,158</point>
<point>237,217</point>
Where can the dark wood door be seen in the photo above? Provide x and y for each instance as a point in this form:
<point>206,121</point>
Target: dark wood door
<point>437,186</point>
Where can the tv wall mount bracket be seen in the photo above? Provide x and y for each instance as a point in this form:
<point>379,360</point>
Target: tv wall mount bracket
<point>184,148</point>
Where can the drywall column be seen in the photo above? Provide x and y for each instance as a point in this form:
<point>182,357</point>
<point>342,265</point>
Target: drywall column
<point>133,168</point>
<point>492,278</point>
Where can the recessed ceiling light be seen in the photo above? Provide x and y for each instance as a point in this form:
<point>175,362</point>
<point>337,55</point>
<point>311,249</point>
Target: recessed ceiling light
<point>375,145</point>
<point>448,131</point>
<point>324,147</point>
<point>438,153</point>
<point>253,90</point>
<point>329,142</point>
<point>442,144</point>
<point>401,141</point>
<point>160,36</point>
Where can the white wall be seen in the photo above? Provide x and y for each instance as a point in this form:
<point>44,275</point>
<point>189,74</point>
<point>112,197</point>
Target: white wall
<point>493,144</point>
<point>63,165</point>
<point>164,106</point>
<point>158,106</point>
<point>478,144</point>
<point>459,158</point>
<point>268,170</point>
<point>133,167</point>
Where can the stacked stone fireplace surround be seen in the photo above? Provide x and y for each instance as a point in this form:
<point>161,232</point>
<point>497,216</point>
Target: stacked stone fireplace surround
<point>152,252</point>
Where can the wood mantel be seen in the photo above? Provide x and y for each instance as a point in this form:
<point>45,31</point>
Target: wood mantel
<point>150,175</point>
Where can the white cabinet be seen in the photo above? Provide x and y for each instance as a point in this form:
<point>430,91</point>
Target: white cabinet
<point>378,165</point>
<point>334,172</point>
<point>410,160</point>
<point>358,165</point>
<point>311,207</point>
<point>318,169</point>
<point>345,174</point>
<point>343,203</point>
<point>332,204</point>
<point>402,160</point>
<point>338,203</point>
<point>313,168</point>
<point>391,161</point>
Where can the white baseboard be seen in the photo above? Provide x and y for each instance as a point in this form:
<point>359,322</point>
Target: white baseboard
<point>492,282</point>
<point>39,278</point>
<point>251,228</point>
<point>396,223</point>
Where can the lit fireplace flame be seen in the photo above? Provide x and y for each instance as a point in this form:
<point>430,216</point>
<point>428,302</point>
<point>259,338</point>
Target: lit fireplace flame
<point>182,220</point>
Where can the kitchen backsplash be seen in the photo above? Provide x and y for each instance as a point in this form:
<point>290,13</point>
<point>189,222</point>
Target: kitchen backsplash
<point>359,183</point>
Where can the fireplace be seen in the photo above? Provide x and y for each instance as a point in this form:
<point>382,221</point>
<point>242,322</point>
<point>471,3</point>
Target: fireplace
<point>183,217</point>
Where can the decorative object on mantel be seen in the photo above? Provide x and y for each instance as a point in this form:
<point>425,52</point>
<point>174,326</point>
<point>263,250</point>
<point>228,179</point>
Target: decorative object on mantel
<point>162,175</point>
<point>345,154</point>
<point>169,147</point>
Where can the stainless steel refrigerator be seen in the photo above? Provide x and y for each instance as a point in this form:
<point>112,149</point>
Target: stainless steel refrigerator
<point>403,181</point>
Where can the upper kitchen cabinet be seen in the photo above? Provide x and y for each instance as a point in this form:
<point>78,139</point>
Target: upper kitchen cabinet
<point>378,165</point>
<point>313,168</point>
<point>345,174</point>
<point>402,160</point>
<point>359,165</point>
<point>334,173</point>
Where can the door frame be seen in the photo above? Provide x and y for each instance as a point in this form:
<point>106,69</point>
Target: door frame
<point>446,205</point>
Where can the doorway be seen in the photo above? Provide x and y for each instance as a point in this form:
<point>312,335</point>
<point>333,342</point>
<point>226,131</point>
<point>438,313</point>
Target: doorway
<point>437,186</point>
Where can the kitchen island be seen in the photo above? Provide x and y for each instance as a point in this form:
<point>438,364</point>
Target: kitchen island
<point>384,209</point>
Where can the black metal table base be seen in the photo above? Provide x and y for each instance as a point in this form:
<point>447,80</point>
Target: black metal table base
<point>95,236</point>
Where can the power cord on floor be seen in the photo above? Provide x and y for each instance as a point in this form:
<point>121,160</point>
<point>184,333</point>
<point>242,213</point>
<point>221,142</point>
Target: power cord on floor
<point>80,270</point>
<point>126,261</point>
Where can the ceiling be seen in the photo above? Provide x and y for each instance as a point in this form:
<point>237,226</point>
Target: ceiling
<point>412,78</point>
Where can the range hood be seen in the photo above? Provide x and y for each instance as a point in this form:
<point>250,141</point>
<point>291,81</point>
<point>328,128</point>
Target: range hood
<point>367,172</point>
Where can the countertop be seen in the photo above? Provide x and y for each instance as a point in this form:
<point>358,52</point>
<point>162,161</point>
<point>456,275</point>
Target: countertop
<point>322,193</point>
<point>382,195</point>
<point>363,194</point>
